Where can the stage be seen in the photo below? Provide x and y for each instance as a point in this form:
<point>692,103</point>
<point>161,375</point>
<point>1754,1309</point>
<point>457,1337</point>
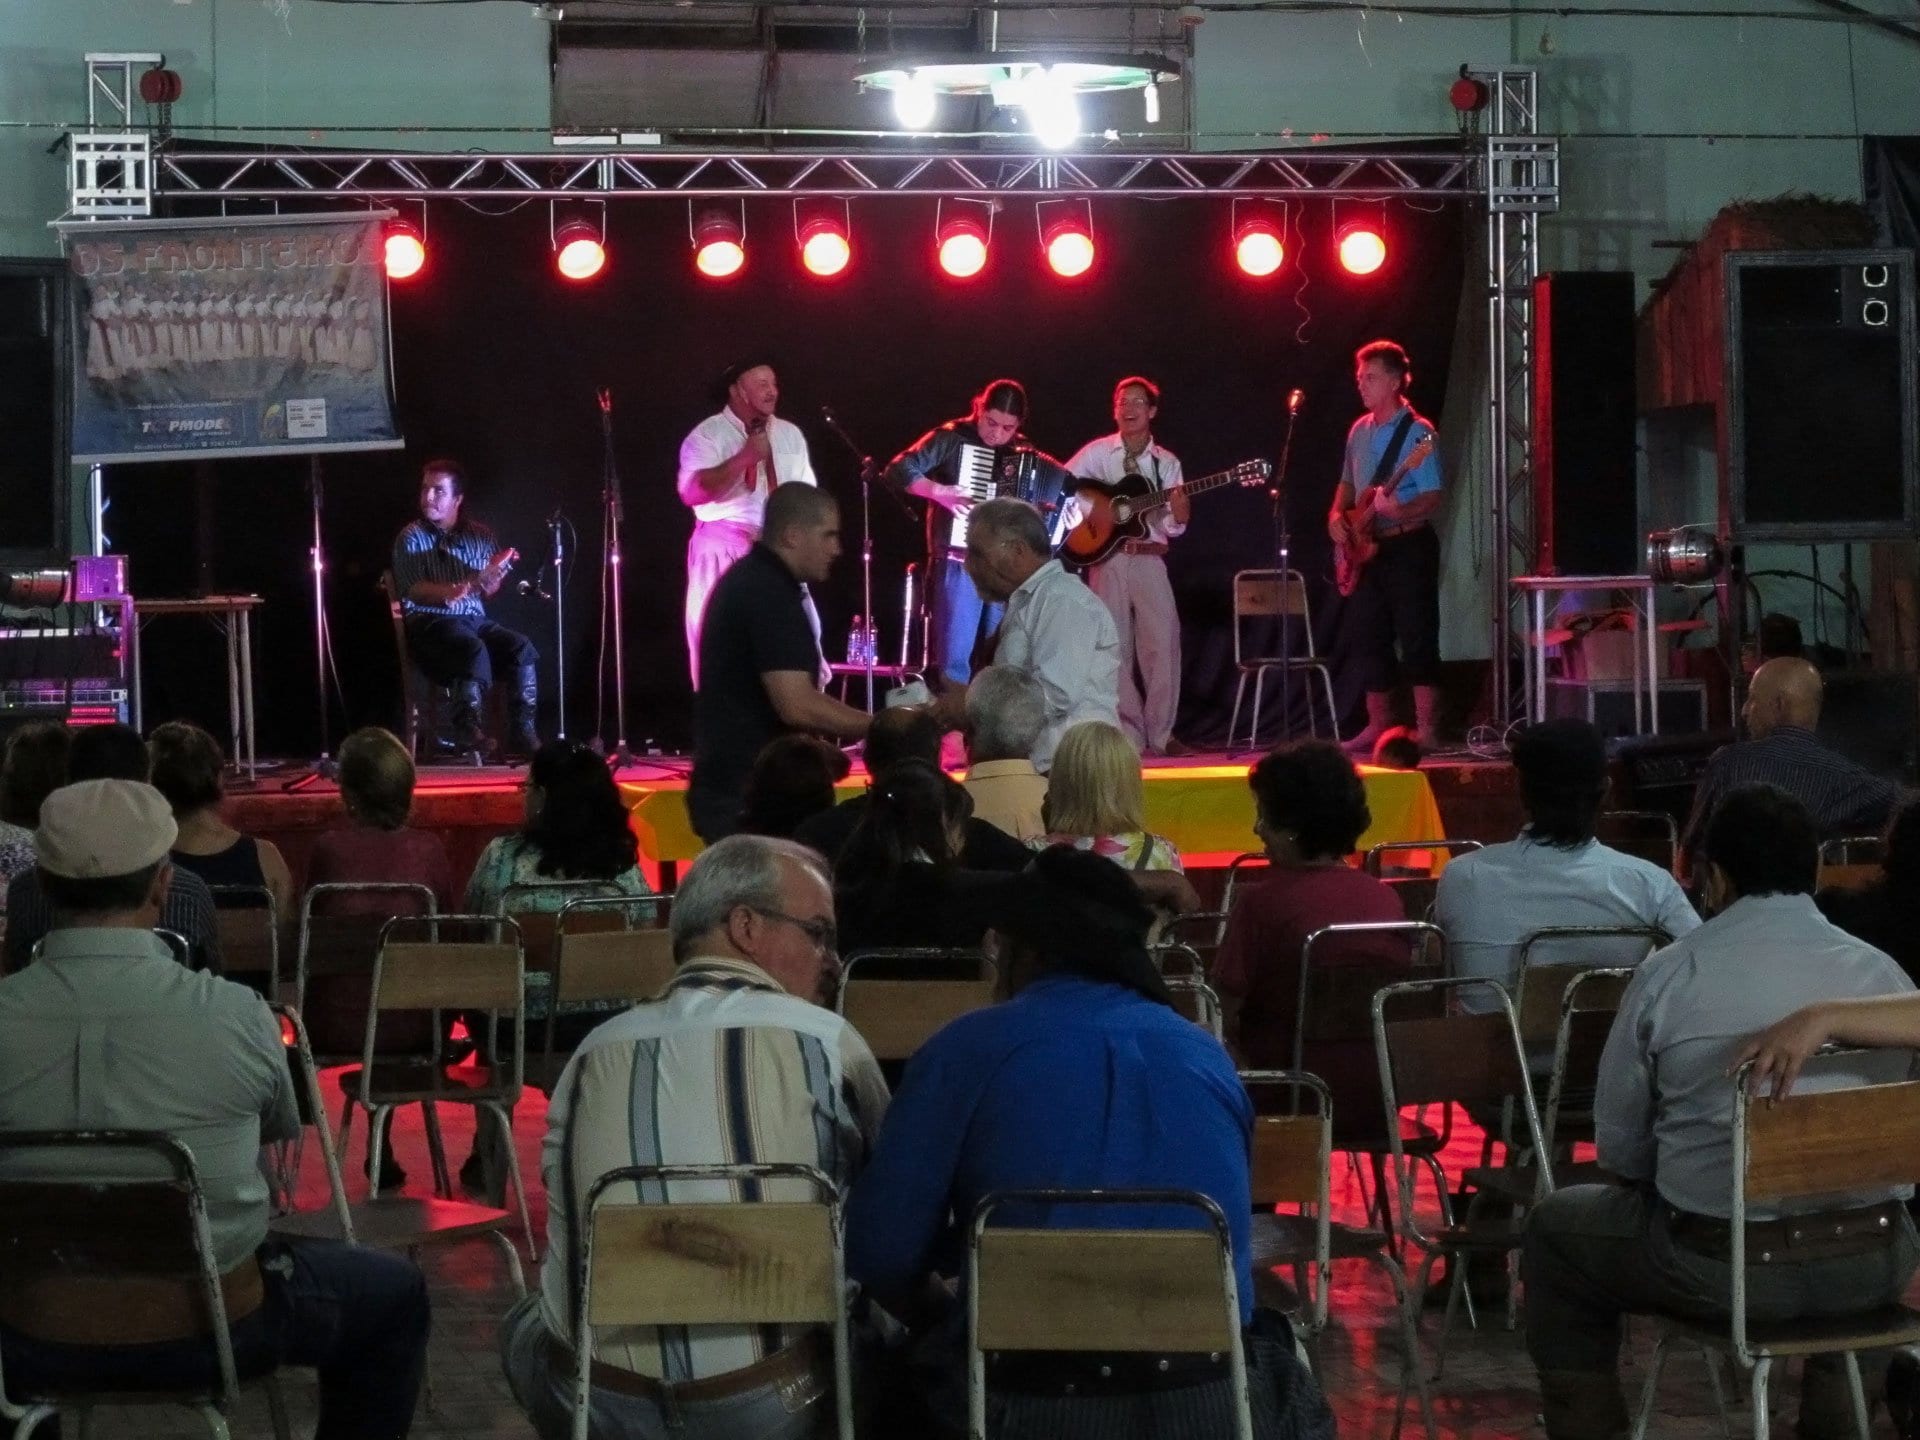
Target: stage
<point>1201,803</point>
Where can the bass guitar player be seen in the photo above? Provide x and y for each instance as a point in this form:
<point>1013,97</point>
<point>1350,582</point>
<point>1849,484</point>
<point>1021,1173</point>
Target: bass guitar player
<point>1394,627</point>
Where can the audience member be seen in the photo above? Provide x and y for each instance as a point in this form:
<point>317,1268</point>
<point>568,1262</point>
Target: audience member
<point>1663,1117</point>
<point>376,789</point>
<point>1006,712</point>
<point>1554,872</point>
<point>1886,913</point>
<point>1085,1079</point>
<point>1310,809</point>
<point>1096,800</point>
<point>187,769</point>
<point>35,766</point>
<point>107,1032</point>
<point>114,752</point>
<point>792,780</point>
<point>899,880</point>
<point>739,1033</point>
<point>1781,713</point>
<point>907,733</point>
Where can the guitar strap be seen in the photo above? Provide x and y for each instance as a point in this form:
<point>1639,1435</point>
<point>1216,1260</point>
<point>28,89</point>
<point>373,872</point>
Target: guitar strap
<point>1391,455</point>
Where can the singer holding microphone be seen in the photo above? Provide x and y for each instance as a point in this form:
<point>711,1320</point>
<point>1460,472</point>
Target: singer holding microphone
<point>729,464</point>
<point>1133,580</point>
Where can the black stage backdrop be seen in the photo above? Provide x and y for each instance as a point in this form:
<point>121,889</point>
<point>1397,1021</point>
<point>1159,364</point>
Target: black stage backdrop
<point>498,362</point>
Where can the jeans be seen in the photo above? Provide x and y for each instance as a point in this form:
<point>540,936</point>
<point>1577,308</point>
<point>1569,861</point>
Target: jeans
<point>358,1316</point>
<point>547,1397</point>
<point>959,617</point>
<point>452,648</point>
<point>1399,599</point>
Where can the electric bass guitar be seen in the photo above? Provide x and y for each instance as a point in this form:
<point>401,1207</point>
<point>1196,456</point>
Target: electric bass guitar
<point>1117,511</point>
<point>1350,559</point>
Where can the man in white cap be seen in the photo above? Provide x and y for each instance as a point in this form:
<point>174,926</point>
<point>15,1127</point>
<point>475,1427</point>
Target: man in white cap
<point>108,1032</point>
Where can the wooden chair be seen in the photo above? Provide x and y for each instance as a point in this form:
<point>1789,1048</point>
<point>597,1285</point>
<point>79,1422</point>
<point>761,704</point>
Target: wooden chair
<point>248,920</point>
<point>342,945</point>
<point>1588,1005</point>
<point>1816,1142</point>
<point>1282,596</point>
<point>897,1016</point>
<point>1113,1291</point>
<point>1854,850</point>
<point>1652,835</point>
<point>760,1262</point>
<point>91,1258</point>
<point>1540,986</point>
<point>595,956</point>
<point>1206,930</point>
<point>1195,999</point>
<point>1375,860</point>
<point>1292,1165</point>
<point>1470,1059</point>
<point>1416,895</point>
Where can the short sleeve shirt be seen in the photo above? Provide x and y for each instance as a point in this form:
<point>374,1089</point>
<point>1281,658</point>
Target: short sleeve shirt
<point>719,437</point>
<point>1368,441</point>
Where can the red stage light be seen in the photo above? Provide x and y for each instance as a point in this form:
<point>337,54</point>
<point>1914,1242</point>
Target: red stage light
<point>406,250</point>
<point>578,251</point>
<point>963,246</point>
<point>719,245</point>
<point>1258,248</point>
<point>824,246</point>
<point>1363,250</point>
<point>1069,247</point>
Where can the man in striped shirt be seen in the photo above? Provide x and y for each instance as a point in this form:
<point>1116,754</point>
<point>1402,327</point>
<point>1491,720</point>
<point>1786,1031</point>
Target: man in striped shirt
<point>444,570</point>
<point>737,1061</point>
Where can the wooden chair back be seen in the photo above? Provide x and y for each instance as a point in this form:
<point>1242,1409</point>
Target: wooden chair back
<point>1271,594</point>
<point>1650,835</point>
<point>897,1016</point>
<point>1335,1001</point>
<point>1541,988</point>
<point>1377,857</point>
<point>1823,1142</point>
<point>1854,850</point>
<point>1416,895</point>
<point>1849,877</point>
<point>604,964</point>
<point>1587,1009</point>
<point>247,920</point>
<point>540,925</point>
<point>1291,1153</point>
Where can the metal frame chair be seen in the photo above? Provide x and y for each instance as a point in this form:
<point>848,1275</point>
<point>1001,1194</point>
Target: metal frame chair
<point>1578,1042</point>
<point>1197,1000</point>
<point>1658,819</point>
<point>1176,927</point>
<point>1814,1142</point>
<point>1292,1164</point>
<point>1106,1290</point>
<point>325,959</point>
<point>601,963</point>
<point>714,1263</point>
<point>1540,986</point>
<point>1371,862</point>
<point>1281,595</point>
<point>83,1227</point>
<point>897,1016</point>
<point>243,939</point>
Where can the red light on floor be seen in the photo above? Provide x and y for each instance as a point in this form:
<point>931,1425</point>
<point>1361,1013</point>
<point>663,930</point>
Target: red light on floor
<point>1069,246</point>
<point>1258,249</point>
<point>824,247</point>
<point>963,247</point>
<point>719,245</point>
<point>579,253</point>
<point>1362,249</point>
<point>406,250</point>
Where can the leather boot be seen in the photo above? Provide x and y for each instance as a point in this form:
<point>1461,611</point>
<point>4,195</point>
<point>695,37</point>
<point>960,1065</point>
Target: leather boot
<point>1582,1405</point>
<point>522,738</point>
<point>1379,721</point>
<point>465,718</point>
<point>1426,713</point>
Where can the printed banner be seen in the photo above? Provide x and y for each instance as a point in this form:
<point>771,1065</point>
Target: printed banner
<point>229,337</point>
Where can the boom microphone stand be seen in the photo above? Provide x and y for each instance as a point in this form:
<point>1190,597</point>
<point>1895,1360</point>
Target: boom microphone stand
<point>612,523</point>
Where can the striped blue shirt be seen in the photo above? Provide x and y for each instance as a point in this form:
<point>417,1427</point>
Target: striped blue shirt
<point>441,557</point>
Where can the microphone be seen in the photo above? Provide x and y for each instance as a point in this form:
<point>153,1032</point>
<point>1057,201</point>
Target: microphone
<point>605,397</point>
<point>1294,397</point>
<point>826,414</point>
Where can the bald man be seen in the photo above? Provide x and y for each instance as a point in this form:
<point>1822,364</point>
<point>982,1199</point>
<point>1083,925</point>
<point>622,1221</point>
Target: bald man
<point>1781,714</point>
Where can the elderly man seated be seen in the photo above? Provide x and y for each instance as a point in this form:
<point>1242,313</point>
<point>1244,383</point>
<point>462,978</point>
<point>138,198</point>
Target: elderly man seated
<point>736,1062</point>
<point>1663,1117</point>
<point>1087,1078</point>
<point>110,1032</point>
<point>1006,712</point>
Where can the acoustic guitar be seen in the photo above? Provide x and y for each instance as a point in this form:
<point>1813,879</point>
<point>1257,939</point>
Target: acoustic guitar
<point>1350,559</point>
<point>1117,510</point>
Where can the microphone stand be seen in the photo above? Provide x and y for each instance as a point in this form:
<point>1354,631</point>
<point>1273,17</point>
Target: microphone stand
<point>1283,547</point>
<point>869,653</point>
<point>556,523</point>
<point>324,767</point>
<point>612,523</point>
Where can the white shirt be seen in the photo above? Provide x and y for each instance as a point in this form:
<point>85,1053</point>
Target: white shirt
<point>1106,459</point>
<point>1062,634</point>
<point>1489,901</point>
<point>720,437</point>
<point>1664,1107</point>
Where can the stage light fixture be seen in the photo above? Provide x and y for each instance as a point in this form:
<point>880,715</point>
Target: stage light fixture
<point>1046,88</point>
<point>825,236</point>
<point>1258,246</point>
<point>1066,237</point>
<point>405,249</point>
<point>963,246</point>
<point>915,103</point>
<point>719,244</point>
<point>579,251</point>
<point>1362,246</point>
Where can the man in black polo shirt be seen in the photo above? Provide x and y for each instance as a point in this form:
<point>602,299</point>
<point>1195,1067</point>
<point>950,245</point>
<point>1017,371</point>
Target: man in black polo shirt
<point>759,661</point>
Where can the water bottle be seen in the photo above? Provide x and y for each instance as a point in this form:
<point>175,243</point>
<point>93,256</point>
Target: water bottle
<point>857,641</point>
<point>870,649</point>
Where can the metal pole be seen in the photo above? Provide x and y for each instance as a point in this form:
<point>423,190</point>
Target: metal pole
<point>557,524</point>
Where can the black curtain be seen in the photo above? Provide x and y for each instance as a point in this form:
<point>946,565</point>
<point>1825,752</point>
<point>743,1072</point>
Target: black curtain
<point>1891,180</point>
<point>498,361</point>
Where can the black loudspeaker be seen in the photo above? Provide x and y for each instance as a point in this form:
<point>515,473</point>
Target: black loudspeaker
<point>1870,717</point>
<point>1820,395</point>
<point>1586,508</point>
<point>33,459</point>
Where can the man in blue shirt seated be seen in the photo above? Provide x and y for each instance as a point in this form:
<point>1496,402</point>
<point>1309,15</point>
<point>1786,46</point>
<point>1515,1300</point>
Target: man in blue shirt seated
<point>1086,1079</point>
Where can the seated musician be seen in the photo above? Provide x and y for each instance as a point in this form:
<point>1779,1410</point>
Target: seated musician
<point>955,465</point>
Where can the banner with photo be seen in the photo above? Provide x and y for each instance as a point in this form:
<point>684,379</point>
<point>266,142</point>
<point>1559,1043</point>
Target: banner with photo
<point>229,337</point>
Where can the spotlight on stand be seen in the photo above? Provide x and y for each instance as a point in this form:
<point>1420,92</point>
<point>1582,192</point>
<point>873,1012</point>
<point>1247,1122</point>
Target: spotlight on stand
<point>719,243</point>
<point>405,246</point>
<point>962,241</point>
<point>826,238</point>
<point>1259,243</point>
<point>579,242</point>
<point>1067,237</point>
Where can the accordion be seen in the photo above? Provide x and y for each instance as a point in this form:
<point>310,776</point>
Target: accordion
<point>1009,473</point>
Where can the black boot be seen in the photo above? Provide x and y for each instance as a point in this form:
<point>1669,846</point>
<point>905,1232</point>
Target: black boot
<point>467,698</point>
<point>523,739</point>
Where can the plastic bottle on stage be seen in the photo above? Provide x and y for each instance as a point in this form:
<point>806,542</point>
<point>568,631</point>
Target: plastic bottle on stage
<point>856,641</point>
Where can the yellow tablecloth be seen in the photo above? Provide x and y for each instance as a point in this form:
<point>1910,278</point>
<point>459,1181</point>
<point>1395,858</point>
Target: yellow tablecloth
<point>1202,809</point>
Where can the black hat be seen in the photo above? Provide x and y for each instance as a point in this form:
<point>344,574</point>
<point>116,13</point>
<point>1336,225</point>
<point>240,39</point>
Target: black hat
<point>751,361</point>
<point>1081,913</point>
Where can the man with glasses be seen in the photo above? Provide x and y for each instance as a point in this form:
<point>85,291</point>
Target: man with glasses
<point>739,1060</point>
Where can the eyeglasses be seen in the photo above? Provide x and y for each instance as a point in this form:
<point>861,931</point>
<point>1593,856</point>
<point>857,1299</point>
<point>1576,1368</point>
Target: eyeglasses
<point>821,932</point>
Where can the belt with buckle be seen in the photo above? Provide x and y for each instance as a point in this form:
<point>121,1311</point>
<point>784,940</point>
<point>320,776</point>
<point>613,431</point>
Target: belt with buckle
<point>1792,1239</point>
<point>804,1359</point>
<point>1145,547</point>
<point>1050,1372</point>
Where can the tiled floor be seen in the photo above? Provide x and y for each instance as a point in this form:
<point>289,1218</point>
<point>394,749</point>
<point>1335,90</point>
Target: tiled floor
<point>1487,1389</point>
